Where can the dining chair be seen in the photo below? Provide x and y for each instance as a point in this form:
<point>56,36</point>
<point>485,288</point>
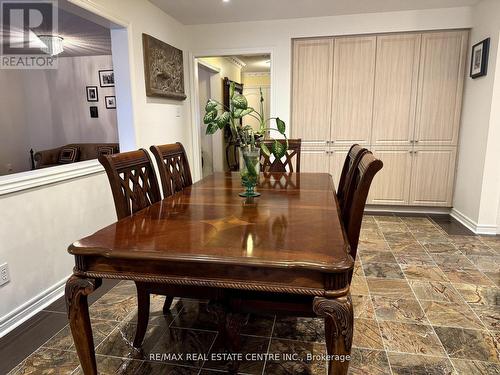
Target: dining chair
<point>359,187</point>
<point>133,181</point>
<point>174,169</point>
<point>350,164</point>
<point>134,186</point>
<point>288,163</point>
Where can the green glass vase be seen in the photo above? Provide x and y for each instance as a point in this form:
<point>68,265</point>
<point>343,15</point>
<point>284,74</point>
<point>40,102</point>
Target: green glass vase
<point>249,170</point>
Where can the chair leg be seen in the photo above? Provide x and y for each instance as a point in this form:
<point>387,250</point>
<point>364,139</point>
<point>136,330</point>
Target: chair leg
<point>142,314</point>
<point>167,304</point>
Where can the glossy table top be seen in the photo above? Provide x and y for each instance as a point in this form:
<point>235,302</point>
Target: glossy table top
<point>294,223</point>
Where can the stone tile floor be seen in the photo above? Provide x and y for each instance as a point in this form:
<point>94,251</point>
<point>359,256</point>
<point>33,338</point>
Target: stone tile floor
<point>424,302</point>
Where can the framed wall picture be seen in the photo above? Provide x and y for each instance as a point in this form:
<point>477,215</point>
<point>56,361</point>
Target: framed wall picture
<point>479,59</point>
<point>106,78</point>
<point>110,102</point>
<point>92,94</point>
<point>163,69</point>
<point>94,112</point>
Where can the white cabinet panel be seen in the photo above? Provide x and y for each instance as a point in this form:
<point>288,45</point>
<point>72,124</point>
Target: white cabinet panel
<point>314,161</point>
<point>433,176</point>
<point>391,185</point>
<point>441,80</point>
<point>353,83</point>
<point>312,89</point>
<point>396,81</point>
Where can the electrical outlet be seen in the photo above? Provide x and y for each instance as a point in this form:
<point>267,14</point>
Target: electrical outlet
<point>4,274</point>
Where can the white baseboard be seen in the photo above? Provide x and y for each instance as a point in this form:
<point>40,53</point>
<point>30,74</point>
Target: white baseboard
<point>27,310</point>
<point>472,225</point>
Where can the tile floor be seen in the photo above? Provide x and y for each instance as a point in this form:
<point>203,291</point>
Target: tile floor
<point>425,303</point>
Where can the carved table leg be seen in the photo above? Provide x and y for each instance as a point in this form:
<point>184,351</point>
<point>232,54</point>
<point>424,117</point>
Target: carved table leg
<point>339,325</point>
<point>229,327</point>
<point>77,290</point>
<point>142,314</point>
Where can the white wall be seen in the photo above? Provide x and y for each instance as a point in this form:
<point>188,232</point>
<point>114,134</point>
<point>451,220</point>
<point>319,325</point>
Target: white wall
<point>37,225</point>
<point>477,191</point>
<point>44,109</point>
<point>155,119</point>
<point>275,37</point>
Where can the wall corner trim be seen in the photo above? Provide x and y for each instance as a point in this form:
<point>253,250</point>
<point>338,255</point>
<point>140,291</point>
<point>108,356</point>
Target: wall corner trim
<point>488,229</point>
<point>27,310</point>
<point>40,177</point>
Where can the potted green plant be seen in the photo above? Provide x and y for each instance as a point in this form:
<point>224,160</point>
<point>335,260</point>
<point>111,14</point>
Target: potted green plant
<point>249,141</point>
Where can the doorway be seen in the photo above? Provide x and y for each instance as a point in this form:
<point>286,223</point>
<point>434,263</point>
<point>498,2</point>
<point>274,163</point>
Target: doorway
<point>252,73</point>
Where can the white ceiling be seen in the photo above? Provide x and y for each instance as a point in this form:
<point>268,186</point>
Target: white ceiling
<point>82,37</point>
<point>192,12</point>
<point>83,34</point>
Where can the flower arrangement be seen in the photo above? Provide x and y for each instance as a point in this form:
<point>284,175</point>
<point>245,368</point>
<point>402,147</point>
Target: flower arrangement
<point>249,141</point>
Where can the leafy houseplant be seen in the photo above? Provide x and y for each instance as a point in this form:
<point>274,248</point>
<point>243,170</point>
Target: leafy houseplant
<point>218,117</point>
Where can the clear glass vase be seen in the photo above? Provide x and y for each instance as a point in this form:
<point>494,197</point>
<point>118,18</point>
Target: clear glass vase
<point>249,170</point>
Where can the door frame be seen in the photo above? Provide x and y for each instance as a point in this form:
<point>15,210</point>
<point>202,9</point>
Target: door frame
<point>215,79</point>
<point>195,105</point>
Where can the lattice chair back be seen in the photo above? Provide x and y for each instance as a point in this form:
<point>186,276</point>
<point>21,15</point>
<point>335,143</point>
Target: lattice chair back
<point>133,181</point>
<point>174,169</point>
<point>288,163</point>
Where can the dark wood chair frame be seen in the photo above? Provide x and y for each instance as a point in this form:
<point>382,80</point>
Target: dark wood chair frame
<point>359,182</point>
<point>123,169</point>
<point>278,165</point>
<point>173,166</point>
<point>350,164</point>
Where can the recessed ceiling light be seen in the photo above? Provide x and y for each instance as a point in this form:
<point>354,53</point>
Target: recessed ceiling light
<point>226,1</point>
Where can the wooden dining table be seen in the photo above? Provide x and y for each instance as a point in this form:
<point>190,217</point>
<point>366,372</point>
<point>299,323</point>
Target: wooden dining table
<point>285,251</point>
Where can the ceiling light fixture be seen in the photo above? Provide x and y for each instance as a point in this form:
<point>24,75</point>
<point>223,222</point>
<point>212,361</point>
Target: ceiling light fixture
<point>226,1</point>
<point>52,44</point>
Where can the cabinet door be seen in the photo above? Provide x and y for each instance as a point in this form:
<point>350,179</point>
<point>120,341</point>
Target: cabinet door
<point>312,89</point>
<point>314,161</point>
<point>396,81</point>
<point>441,80</point>
<point>433,176</point>
<point>337,159</point>
<point>391,185</point>
<point>353,81</point>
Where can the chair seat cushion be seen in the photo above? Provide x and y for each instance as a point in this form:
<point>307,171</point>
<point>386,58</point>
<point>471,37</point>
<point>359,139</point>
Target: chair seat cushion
<point>68,154</point>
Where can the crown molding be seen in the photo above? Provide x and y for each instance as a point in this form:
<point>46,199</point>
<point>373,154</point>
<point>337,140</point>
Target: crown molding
<point>236,61</point>
<point>257,74</point>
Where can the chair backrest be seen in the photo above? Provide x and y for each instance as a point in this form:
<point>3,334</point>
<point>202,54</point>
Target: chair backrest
<point>289,163</point>
<point>133,181</point>
<point>354,206</point>
<point>350,164</point>
<point>174,169</point>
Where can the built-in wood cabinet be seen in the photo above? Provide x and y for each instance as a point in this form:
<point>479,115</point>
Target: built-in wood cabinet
<point>314,160</point>
<point>352,99</point>
<point>398,94</point>
<point>393,185</point>
<point>312,88</point>
<point>432,176</point>
<point>442,62</point>
<point>396,82</point>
